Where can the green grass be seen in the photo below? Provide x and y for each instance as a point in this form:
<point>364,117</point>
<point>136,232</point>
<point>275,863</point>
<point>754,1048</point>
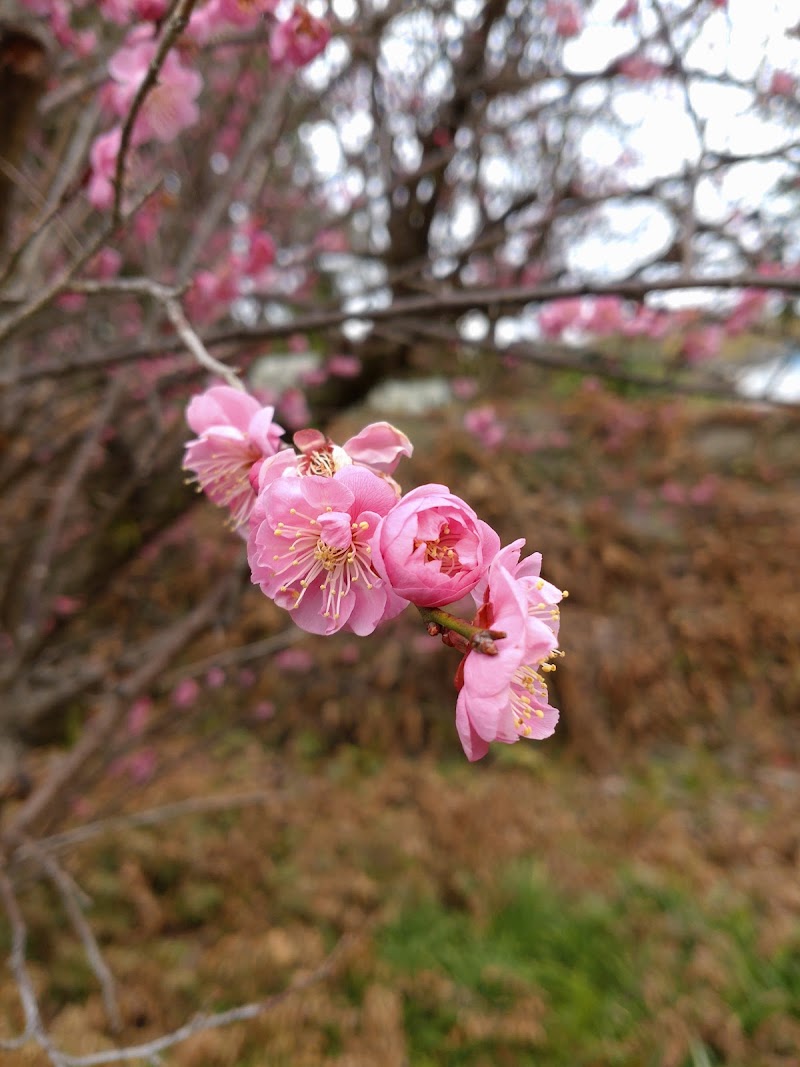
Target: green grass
<point>581,962</point>
<point>567,952</point>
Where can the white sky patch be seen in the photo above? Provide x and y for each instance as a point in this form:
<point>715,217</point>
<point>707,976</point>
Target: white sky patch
<point>324,148</point>
<point>621,237</point>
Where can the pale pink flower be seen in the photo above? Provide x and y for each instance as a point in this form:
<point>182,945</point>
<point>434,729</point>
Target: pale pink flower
<point>567,17</point>
<point>504,697</point>
<point>294,660</point>
<point>464,388</point>
<point>603,315</point>
<point>628,10</point>
<point>344,366</point>
<point>294,407</point>
<point>139,716</point>
<point>265,709</point>
<point>170,106</point>
<point>215,677</point>
<point>542,597</point>
<point>640,68</point>
<point>432,548</point>
<point>106,264</point>
<point>185,693</point>
<point>103,158</point>
<point>379,447</point>
<point>311,552</point>
<point>234,432</point>
<point>559,315</point>
<point>482,423</point>
<point>298,39</point>
<point>703,344</point>
<point>244,12</point>
<point>782,83</point>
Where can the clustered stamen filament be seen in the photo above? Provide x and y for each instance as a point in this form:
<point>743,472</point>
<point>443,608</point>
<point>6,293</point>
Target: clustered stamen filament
<point>310,557</point>
<point>529,689</point>
<point>441,550</point>
<point>224,477</point>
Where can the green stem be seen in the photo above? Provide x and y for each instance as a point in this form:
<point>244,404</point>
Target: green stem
<point>476,637</point>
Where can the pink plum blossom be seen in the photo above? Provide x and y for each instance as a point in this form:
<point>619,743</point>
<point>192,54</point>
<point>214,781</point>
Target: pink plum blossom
<point>628,10</point>
<point>244,12</point>
<point>782,83</point>
<point>344,366</point>
<point>379,447</point>
<point>559,315</point>
<point>432,548</point>
<point>482,423</point>
<point>298,39</point>
<point>639,68</point>
<point>310,550</point>
<point>703,343</point>
<point>103,158</point>
<point>567,17</point>
<point>170,105</point>
<point>234,432</point>
<point>185,693</point>
<point>504,697</point>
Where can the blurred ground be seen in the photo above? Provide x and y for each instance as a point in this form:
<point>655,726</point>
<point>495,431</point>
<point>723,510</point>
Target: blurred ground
<point>628,893</point>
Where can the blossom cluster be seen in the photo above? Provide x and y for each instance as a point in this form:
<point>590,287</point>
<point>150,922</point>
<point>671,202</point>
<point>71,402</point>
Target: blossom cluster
<point>172,106</point>
<point>332,538</point>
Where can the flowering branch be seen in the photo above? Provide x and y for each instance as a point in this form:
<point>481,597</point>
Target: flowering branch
<point>176,24</point>
<point>439,621</point>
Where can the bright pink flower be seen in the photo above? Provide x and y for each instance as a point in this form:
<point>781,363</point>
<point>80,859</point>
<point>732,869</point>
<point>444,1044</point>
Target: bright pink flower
<point>298,40</point>
<point>151,10</point>
<point>311,551</point>
<point>234,432</point>
<point>504,697</point>
<point>170,105</point>
<point>260,254</point>
<point>432,548</point>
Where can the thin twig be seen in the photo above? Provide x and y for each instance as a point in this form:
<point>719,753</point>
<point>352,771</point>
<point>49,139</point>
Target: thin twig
<point>173,28</point>
<point>64,778</point>
<point>152,817</point>
<point>63,497</point>
<point>69,893</point>
<point>202,1023</point>
<point>417,307</point>
<point>34,1029</point>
